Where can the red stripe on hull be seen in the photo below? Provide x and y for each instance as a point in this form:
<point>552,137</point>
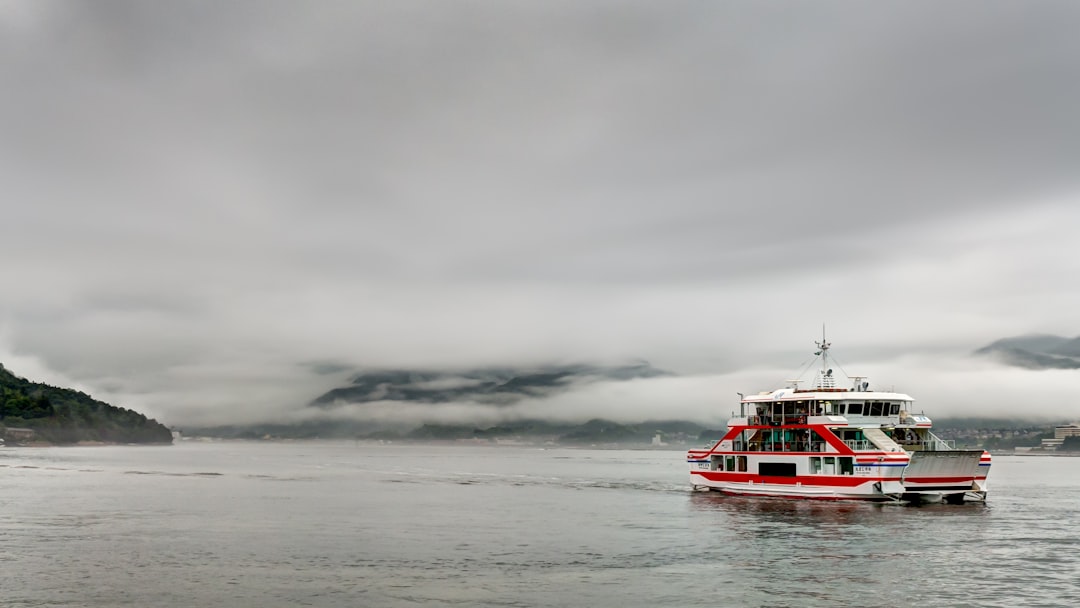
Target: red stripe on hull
<point>837,481</point>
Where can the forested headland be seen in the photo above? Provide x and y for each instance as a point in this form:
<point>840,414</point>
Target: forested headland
<point>31,412</point>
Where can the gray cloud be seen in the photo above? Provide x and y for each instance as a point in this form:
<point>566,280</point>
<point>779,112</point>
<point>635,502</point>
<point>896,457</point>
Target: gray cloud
<point>203,198</point>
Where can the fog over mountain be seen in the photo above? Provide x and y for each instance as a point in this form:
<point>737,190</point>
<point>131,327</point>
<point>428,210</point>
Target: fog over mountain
<point>215,213</point>
<point>1036,351</point>
<point>491,386</point>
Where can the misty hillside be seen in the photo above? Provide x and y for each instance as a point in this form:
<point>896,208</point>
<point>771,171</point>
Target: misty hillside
<point>496,386</point>
<point>63,416</point>
<point>1036,351</point>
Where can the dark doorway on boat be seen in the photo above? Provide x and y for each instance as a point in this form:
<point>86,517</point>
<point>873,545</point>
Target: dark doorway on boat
<point>777,469</point>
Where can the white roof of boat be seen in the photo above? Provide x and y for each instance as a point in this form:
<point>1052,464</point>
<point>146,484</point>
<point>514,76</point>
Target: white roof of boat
<point>786,394</point>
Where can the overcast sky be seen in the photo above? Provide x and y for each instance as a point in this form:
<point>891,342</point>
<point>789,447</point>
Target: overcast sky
<point>207,206</point>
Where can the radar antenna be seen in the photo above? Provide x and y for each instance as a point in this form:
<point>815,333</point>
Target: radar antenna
<point>823,349</point>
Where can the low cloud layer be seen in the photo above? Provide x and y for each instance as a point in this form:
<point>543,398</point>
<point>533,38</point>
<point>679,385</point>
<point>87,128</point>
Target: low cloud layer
<point>216,212</point>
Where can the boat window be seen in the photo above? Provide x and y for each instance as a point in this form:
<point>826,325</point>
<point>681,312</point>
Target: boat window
<point>717,463</point>
<point>855,408</point>
<point>730,463</point>
<point>894,409</point>
<point>815,465</point>
<point>840,408</point>
<point>762,412</point>
<point>875,408</point>
<point>777,469</point>
<point>853,435</point>
<point>846,465</point>
<point>828,465</point>
<point>741,440</point>
<point>741,461</point>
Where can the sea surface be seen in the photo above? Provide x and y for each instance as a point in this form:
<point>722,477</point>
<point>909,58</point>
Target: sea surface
<point>347,524</point>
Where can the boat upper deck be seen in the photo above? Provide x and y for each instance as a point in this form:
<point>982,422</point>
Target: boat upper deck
<point>785,407</point>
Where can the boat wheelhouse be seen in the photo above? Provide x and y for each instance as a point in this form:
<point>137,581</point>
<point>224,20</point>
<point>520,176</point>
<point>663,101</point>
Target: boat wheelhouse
<point>840,443</point>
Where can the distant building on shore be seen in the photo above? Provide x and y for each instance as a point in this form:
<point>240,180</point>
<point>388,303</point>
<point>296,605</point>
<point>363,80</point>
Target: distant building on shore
<point>18,435</point>
<point>1060,433</point>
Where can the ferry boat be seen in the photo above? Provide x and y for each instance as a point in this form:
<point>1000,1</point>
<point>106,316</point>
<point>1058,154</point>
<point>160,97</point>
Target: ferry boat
<point>837,443</point>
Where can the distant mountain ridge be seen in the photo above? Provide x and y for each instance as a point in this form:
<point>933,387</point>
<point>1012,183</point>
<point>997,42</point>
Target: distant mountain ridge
<point>1035,351</point>
<point>594,431</point>
<point>495,386</point>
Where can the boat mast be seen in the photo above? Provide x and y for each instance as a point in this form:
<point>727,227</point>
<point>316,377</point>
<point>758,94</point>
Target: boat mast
<point>825,379</point>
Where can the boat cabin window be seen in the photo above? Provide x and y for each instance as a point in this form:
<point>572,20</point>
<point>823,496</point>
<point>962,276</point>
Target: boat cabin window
<point>741,462</point>
<point>730,462</point>
<point>850,434</point>
<point>777,469</point>
<point>717,463</point>
<point>840,409</point>
<point>832,465</point>
<point>786,410</point>
<point>882,408</point>
<point>855,409</point>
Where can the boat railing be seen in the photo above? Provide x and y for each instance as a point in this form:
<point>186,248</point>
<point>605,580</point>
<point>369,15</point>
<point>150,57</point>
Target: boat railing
<point>941,444</point>
<point>934,444</point>
<point>788,420</point>
<point>779,446</point>
<point>860,445</point>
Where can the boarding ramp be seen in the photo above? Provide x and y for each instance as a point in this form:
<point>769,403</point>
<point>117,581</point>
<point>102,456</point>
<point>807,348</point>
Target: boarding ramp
<point>881,440</point>
<point>941,470</point>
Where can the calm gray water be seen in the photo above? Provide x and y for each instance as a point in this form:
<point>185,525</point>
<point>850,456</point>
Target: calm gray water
<point>339,524</point>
